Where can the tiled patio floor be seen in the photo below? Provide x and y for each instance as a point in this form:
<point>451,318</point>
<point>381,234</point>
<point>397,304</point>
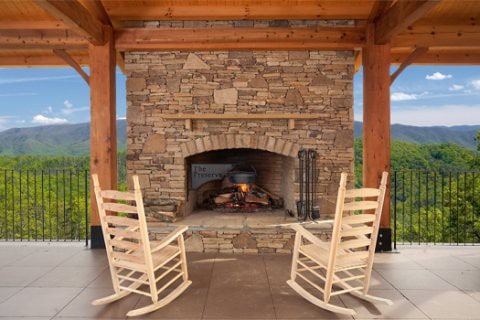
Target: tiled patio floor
<point>59,282</point>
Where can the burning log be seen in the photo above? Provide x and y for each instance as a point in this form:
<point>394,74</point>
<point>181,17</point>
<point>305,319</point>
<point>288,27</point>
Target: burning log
<point>243,197</point>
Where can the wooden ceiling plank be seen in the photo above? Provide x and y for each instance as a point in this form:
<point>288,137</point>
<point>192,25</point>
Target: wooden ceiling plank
<point>40,39</point>
<point>73,14</point>
<point>450,39</point>
<point>401,15</point>
<point>26,25</point>
<point>415,54</point>
<point>240,38</point>
<point>459,58</point>
<point>71,62</point>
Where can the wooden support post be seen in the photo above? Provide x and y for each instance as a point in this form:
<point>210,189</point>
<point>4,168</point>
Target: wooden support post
<point>103,133</point>
<point>376,124</point>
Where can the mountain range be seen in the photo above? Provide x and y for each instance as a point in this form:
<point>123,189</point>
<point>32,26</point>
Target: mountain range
<point>74,139</point>
<point>461,135</point>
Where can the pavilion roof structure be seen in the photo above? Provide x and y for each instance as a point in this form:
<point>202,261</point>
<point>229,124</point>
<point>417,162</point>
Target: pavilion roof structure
<point>45,32</point>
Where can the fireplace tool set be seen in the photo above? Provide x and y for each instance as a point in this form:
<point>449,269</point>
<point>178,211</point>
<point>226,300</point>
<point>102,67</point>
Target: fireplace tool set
<point>307,207</point>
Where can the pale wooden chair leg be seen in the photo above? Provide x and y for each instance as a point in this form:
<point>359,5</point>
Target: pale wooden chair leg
<point>320,303</point>
<point>161,303</point>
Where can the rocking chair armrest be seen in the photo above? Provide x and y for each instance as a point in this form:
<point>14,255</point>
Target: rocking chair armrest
<point>170,238</point>
<point>307,234</point>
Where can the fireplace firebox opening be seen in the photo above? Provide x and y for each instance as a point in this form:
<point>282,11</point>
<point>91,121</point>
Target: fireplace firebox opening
<point>240,180</point>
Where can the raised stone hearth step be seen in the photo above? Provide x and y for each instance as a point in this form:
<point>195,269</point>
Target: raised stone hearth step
<point>257,232</point>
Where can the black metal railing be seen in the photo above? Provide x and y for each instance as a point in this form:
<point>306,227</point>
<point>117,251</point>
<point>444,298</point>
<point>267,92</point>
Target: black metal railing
<point>44,205</point>
<point>435,207</point>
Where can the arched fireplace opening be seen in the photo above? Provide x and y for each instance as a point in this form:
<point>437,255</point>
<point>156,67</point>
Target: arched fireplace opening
<point>240,180</point>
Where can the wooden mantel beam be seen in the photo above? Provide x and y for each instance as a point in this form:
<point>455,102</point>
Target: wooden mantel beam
<point>418,52</point>
<point>74,15</point>
<point>239,38</point>
<point>71,61</point>
<point>401,15</point>
<point>41,39</point>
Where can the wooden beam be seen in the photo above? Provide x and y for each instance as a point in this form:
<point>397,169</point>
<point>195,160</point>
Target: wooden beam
<point>376,116</point>
<point>74,15</point>
<point>418,52</point>
<point>40,39</point>
<point>399,17</point>
<point>378,8</point>
<point>103,135</point>
<point>358,60</point>
<point>442,57</point>
<point>236,10</point>
<point>62,54</point>
<point>98,10</point>
<point>36,60</point>
<point>239,38</point>
<point>28,25</point>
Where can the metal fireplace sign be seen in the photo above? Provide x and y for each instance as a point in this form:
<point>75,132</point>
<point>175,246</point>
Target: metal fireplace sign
<point>205,172</point>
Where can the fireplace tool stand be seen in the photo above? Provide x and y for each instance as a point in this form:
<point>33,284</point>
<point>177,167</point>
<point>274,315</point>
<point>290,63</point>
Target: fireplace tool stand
<point>307,207</point>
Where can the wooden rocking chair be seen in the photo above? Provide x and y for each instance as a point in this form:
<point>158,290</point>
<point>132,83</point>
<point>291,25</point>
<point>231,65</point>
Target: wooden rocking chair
<point>137,264</point>
<point>343,265</point>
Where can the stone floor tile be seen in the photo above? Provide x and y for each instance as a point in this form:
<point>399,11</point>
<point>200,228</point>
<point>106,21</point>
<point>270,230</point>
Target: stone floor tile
<point>444,304</point>
<point>20,276</point>
<point>82,306</point>
<point>34,302</point>
<point>238,270</point>
<point>87,258</point>
<point>278,269</point>
<point>414,279</point>
<point>290,305</point>
<point>468,280</point>
<point>47,256</point>
<point>401,308</point>
<point>73,277</point>
<point>7,292</point>
<point>189,305</point>
<point>239,302</point>
<point>103,280</point>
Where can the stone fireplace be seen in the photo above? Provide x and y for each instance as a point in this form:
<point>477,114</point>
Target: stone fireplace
<point>226,107</point>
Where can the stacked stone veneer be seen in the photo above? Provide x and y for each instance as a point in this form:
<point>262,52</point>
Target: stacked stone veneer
<point>256,82</point>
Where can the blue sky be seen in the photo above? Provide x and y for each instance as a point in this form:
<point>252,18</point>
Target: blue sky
<point>423,96</point>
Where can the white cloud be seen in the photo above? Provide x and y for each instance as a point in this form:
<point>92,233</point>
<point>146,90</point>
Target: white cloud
<point>22,80</point>
<point>438,76</point>
<point>49,109</point>
<point>401,96</point>
<point>121,118</point>
<point>68,111</point>
<point>3,121</point>
<point>67,104</point>
<point>456,87</point>
<point>20,121</point>
<point>476,84</point>
<point>40,119</point>
<point>446,115</point>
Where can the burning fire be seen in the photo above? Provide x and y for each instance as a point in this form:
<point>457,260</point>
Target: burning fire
<point>244,187</point>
